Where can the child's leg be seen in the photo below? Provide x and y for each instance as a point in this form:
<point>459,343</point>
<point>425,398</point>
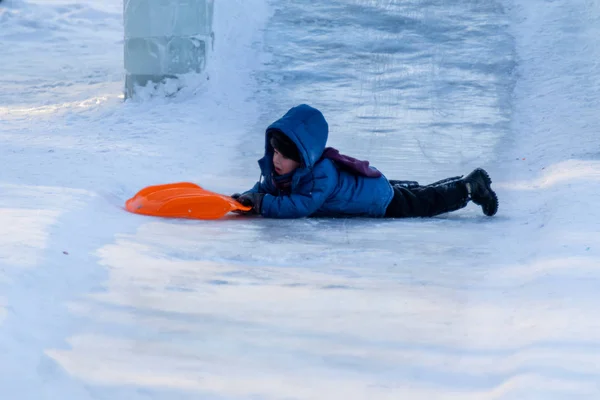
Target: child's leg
<point>427,201</point>
<point>443,196</point>
<point>408,184</point>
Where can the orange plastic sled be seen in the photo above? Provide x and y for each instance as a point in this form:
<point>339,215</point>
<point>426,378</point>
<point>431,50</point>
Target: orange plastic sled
<point>182,200</point>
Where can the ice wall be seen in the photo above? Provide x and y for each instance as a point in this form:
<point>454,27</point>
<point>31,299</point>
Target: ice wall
<point>165,38</point>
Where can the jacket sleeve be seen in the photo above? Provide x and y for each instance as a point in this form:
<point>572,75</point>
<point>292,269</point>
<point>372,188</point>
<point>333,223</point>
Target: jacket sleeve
<point>262,186</point>
<point>257,188</point>
<point>306,201</point>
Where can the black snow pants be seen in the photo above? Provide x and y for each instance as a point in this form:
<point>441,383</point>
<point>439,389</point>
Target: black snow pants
<point>413,200</point>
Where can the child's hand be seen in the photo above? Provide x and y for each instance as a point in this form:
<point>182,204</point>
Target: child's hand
<point>253,200</point>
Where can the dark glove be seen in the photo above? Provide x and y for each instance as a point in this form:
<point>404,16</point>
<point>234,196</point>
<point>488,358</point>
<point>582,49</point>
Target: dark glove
<point>236,196</point>
<point>253,200</point>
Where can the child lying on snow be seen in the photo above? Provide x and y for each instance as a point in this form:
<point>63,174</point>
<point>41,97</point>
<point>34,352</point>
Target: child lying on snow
<point>300,177</point>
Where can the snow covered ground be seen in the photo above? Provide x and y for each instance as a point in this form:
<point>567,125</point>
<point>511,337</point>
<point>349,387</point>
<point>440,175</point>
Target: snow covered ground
<point>96,303</point>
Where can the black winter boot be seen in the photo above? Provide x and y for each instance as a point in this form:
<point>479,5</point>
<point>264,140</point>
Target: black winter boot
<point>452,194</point>
<point>478,185</point>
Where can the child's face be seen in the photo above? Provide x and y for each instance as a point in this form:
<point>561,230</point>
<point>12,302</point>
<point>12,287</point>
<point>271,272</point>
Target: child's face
<point>282,164</point>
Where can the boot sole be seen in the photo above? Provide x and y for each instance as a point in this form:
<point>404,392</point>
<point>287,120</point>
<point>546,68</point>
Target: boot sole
<point>489,209</point>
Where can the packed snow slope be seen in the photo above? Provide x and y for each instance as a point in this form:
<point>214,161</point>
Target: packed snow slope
<point>97,303</point>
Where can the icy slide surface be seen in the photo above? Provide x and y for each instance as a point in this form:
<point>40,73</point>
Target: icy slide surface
<point>96,303</point>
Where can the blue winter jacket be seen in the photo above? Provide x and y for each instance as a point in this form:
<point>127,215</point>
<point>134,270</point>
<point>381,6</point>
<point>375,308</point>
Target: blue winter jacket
<point>318,187</point>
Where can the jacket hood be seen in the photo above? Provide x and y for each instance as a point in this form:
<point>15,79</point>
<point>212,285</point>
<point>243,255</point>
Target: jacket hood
<point>307,128</point>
